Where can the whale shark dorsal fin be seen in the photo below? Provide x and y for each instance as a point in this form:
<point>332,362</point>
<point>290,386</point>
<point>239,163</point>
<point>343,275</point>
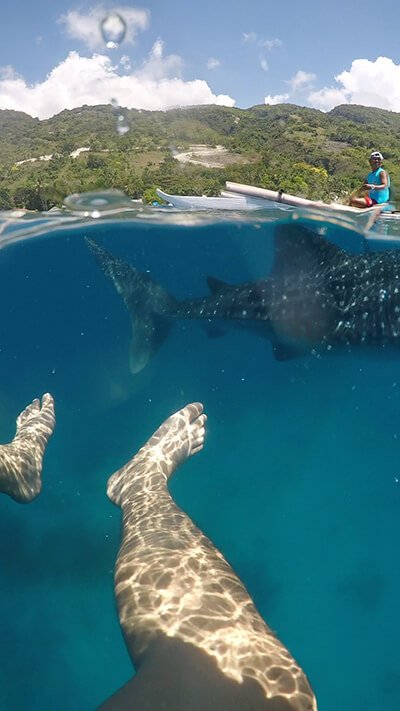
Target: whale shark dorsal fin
<point>217,286</point>
<point>298,247</point>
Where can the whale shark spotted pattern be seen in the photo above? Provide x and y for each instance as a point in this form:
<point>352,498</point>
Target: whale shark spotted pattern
<point>316,298</point>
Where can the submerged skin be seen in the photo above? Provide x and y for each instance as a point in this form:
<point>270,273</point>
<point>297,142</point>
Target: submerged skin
<point>21,460</point>
<point>191,629</point>
<point>190,626</point>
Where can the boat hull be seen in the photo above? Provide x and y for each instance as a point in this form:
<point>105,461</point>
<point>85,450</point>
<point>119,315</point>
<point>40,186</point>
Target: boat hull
<point>225,202</point>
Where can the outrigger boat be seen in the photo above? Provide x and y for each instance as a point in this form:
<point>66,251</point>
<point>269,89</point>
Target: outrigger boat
<point>238,196</point>
<point>278,198</point>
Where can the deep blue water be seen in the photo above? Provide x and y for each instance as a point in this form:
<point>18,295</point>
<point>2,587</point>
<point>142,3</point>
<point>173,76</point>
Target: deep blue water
<point>297,484</point>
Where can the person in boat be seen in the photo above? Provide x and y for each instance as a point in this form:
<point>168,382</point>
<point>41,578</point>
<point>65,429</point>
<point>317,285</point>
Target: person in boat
<point>377,183</point>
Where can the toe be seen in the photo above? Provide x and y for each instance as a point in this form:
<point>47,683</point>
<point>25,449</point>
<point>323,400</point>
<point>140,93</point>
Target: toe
<point>194,410</point>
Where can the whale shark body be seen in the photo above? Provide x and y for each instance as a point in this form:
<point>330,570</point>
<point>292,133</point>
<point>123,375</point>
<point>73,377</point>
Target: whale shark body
<point>316,298</point>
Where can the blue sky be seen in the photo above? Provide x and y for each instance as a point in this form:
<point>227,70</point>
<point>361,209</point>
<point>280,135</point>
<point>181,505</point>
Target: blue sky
<point>53,55</point>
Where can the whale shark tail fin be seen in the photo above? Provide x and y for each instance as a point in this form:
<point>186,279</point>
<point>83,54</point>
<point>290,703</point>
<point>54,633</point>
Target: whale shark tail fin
<point>147,302</point>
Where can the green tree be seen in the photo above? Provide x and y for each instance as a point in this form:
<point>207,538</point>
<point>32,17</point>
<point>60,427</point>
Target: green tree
<point>6,202</point>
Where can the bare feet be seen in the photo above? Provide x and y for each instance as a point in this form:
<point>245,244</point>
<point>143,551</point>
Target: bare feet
<point>21,460</point>
<point>180,436</point>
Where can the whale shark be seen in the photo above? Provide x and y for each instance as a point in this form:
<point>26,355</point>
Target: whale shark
<point>317,297</point>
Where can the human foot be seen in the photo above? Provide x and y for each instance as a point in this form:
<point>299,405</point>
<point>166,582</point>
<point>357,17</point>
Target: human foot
<point>21,460</point>
<point>177,439</point>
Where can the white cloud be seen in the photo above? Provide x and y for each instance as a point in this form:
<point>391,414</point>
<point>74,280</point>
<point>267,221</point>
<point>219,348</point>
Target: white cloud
<point>213,63</point>
<point>301,79</point>
<point>157,50</point>
<point>276,99</point>
<point>367,83</point>
<point>249,37</point>
<point>253,38</point>
<point>158,67</point>
<point>8,73</point>
<point>86,27</point>
<point>94,80</point>
<point>220,99</point>
<point>328,98</point>
<point>263,46</point>
<point>125,62</point>
<point>270,44</point>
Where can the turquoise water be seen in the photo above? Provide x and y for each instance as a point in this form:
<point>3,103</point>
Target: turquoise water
<point>297,484</point>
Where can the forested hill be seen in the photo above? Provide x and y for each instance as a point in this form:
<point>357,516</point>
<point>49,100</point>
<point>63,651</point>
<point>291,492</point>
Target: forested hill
<point>299,150</point>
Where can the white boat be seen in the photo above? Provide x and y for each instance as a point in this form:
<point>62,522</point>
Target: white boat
<point>238,196</point>
<point>227,201</point>
<point>278,198</point>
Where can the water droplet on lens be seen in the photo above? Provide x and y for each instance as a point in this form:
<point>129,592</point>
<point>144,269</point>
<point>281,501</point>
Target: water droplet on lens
<point>122,129</point>
<point>113,29</point>
<point>120,118</point>
<point>98,204</point>
<point>122,126</point>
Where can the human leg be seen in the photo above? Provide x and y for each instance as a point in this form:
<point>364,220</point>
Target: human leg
<point>21,460</point>
<point>359,202</point>
<point>191,628</point>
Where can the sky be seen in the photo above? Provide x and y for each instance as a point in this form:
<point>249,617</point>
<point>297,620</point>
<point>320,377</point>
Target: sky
<point>58,54</point>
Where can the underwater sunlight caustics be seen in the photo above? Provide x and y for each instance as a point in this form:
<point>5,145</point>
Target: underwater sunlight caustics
<point>21,460</point>
<point>191,628</point>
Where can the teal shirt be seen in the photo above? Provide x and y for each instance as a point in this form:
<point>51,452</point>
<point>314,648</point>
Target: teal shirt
<point>378,195</point>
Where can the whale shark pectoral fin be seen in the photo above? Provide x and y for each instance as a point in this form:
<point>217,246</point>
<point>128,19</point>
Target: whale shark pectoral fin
<point>287,351</point>
<point>149,332</point>
<point>214,331</point>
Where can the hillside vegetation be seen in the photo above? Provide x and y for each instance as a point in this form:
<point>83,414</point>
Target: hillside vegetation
<point>299,150</point>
